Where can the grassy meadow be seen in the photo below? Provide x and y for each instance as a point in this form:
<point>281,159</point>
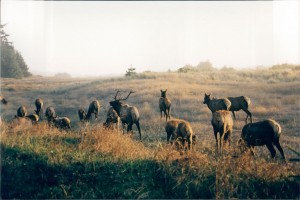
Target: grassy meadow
<point>91,162</point>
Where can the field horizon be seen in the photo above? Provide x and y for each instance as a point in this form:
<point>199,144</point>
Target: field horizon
<point>91,162</point>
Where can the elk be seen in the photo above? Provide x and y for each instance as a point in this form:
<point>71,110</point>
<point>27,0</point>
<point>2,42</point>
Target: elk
<point>94,108</point>
<point>240,103</point>
<point>39,106</point>
<point>33,117</point>
<point>112,117</point>
<point>164,104</point>
<point>62,123</point>
<point>222,123</point>
<point>216,104</point>
<point>50,113</point>
<point>128,114</point>
<point>170,128</point>
<point>22,111</point>
<point>81,114</point>
<point>184,132</point>
<point>266,132</point>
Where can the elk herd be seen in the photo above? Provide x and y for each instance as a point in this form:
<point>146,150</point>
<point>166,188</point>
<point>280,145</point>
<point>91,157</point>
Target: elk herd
<point>178,131</point>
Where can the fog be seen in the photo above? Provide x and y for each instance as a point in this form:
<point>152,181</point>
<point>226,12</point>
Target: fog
<point>105,37</point>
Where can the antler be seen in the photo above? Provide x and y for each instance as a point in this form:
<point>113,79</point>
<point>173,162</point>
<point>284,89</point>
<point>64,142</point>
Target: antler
<point>125,97</point>
<point>116,94</point>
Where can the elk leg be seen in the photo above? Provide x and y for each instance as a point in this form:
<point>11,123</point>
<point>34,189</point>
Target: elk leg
<point>271,149</point>
<point>216,137</point>
<point>233,115</point>
<point>139,129</point>
<point>278,146</point>
<point>248,115</point>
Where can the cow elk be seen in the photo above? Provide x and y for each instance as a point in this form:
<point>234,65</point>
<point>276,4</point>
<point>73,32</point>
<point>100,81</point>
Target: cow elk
<point>261,133</point>
<point>164,104</point>
<point>222,123</point>
<point>240,103</point>
<point>128,114</point>
<point>184,132</point>
<point>216,104</point>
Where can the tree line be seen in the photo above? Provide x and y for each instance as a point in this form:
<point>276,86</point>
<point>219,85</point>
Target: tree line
<point>13,64</point>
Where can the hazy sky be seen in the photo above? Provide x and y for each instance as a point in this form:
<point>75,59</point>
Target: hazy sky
<point>105,37</point>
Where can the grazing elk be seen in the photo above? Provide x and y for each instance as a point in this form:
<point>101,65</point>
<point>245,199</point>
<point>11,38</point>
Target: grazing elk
<point>50,113</point>
<point>94,108</point>
<point>216,104</point>
<point>112,117</point>
<point>240,103</point>
<point>222,123</point>
<point>39,106</point>
<point>22,111</point>
<point>62,123</point>
<point>128,114</point>
<point>33,117</point>
<point>164,104</point>
<point>170,128</point>
<point>184,132</point>
<point>261,133</point>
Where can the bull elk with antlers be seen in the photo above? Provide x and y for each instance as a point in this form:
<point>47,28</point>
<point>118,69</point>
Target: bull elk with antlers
<point>128,114</point>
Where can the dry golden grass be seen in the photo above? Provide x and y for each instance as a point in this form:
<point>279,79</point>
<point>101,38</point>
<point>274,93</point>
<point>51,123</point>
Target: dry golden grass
<point>186,174</point>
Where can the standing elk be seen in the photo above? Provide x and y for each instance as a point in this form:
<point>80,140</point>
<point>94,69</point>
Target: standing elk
<point>222,123</point>
<point>39,106</point>
<point>240,103</point>
<point>128,114</point>
<point>164,105</point>
<point>112,117</point>
<point>82,114</point>
<point>216,104</point>
<point>22,111</point>
<point>261,133</point>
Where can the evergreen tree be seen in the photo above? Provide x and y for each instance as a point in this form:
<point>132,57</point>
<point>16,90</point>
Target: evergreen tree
<point>12,62</point>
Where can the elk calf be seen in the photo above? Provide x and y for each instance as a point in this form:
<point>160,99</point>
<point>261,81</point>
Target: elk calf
<point>261,133</point>
<point>216,104</point>
<point>222,123</point>
<point>240,103</point>
<point>164,105</point>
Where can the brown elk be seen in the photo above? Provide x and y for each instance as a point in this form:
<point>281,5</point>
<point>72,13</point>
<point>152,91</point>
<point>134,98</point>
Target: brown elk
<point>240,103</point>
<point>33,117</point>
<point>39,106</point>
<point>261,133</point>
<point>128,114</point>
<point>216,104</point>
<point>222,123</point>
<point>50,113</point>
<point>94,108</point>
<point>63,123</point>
<point>112,117</point>
<point>184,132</point>
<point>22,111</point>
<point>164,104</point>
